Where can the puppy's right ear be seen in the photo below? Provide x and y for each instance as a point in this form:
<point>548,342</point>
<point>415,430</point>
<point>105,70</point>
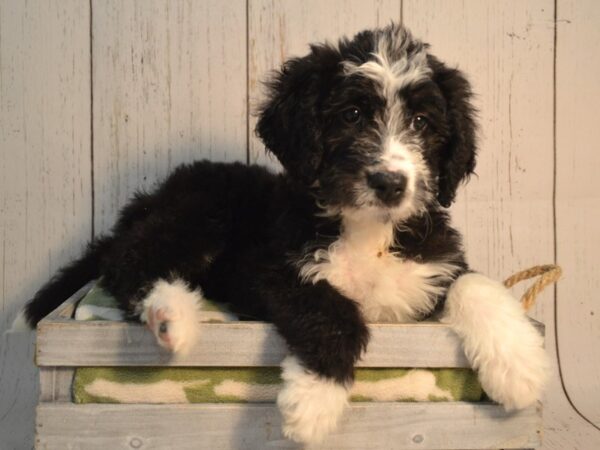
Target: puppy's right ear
<point>290,121</point>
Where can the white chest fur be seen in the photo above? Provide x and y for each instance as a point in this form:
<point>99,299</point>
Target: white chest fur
<point>387,287</point>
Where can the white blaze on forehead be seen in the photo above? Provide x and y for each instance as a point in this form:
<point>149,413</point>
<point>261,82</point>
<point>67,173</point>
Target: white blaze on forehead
<point>393,66</point>
<point>396,156</point>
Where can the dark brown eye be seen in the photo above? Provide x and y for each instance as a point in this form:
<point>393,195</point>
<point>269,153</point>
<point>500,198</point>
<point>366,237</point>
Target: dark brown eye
<point>351,115</point>
<point>419,123</point>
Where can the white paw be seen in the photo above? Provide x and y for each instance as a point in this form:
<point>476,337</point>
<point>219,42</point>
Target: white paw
<point>171,312</point>
<point>310,405</point>
<point>499,340</point>
<point>516,378</point>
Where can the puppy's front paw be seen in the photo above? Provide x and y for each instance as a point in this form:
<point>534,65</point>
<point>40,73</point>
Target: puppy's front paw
<point>517,375</point>
<point>499,340</point>
<point>171,312</point>
<point>311,406</point>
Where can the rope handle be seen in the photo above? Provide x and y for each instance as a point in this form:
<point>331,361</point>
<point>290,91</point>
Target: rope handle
<point>548,273</point>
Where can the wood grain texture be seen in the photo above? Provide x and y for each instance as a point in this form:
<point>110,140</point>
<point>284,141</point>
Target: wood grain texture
<point>103,343</point>
<point>564,428</point>
<point>374,426</point>
<point>578,202</point>
<point>278,30</point>
<point>45,189</point>
<point>56,384</point>
<point>169,87</point>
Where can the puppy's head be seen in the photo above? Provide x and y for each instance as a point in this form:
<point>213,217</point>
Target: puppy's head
<point>375,123</point>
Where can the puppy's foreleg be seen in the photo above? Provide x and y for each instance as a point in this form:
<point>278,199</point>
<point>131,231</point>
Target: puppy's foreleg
<point>499,340</point>
<point>171,312</point>
<point>326,335</point>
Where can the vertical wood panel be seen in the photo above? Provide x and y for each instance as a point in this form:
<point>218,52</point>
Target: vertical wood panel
<point>506,50</point>
<point>169,87</point>
<point>280,29</point>
<point>45,184</point>
<point>578,201</point>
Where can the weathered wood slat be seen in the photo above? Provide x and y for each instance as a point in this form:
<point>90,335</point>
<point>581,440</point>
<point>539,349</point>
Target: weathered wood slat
<point>55,384</point>
<point>212,426</point>
<point>71,343</point>
<point>102,343</point>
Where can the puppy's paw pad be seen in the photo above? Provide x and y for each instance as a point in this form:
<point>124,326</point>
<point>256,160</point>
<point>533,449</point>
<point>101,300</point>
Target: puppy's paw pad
<point>164,324</point>
<point>171,312</point>
<point>311,406</point>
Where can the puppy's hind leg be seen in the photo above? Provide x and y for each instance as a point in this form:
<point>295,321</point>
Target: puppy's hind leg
<point>499,340</point>
<point>171,312</point>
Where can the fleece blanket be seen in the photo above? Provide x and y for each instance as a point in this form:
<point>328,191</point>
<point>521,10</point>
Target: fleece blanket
<point>246,384</point>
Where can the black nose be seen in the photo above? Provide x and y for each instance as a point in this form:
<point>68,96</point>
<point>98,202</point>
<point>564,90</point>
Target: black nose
<point>388,186</point>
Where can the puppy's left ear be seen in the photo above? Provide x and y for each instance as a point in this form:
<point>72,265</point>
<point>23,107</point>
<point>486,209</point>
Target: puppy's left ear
<point>289,121</point>
<point>458,158</point>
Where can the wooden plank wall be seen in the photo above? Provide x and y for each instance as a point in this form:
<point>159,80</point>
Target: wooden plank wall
<point>100,98</point>
<point>169,87</point>
<point>578,202</point>
<point>45,176</point>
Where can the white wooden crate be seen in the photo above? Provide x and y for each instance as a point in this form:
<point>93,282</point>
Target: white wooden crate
<point>64,344</point>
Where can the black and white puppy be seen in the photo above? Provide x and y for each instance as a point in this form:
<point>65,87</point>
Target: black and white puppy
<point>375,135</point>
